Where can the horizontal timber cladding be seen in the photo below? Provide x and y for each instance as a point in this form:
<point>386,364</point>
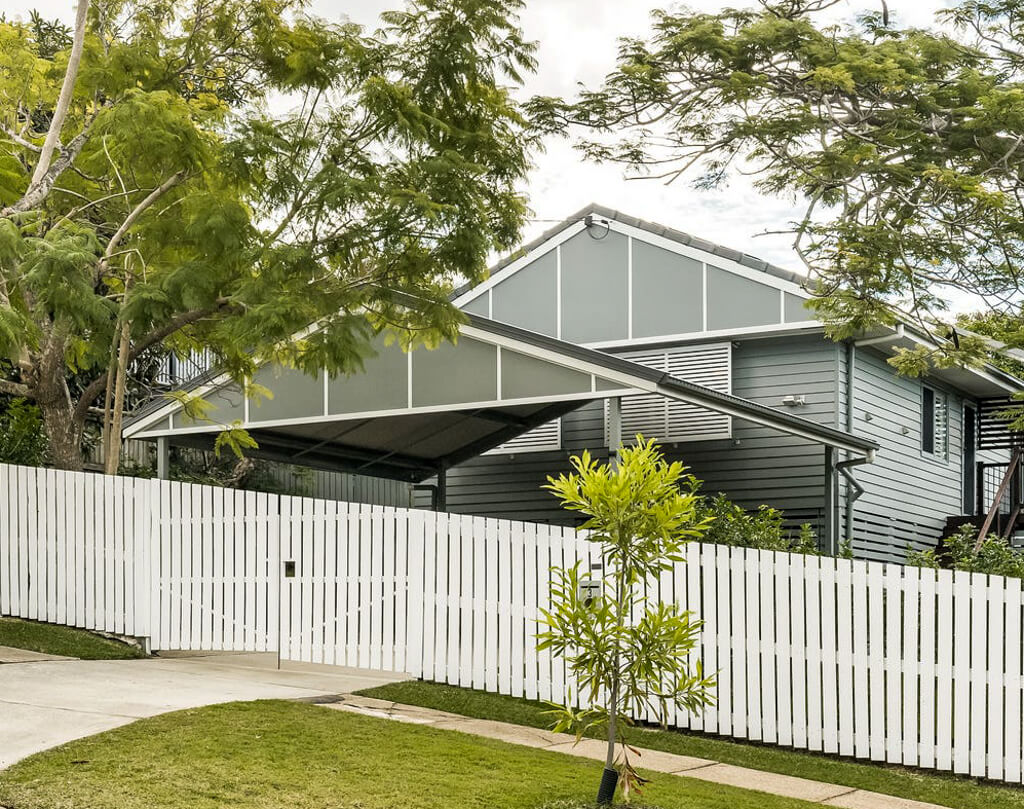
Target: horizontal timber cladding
<point>757,465</point>
<point>875,661</point>
<point>908,494</point>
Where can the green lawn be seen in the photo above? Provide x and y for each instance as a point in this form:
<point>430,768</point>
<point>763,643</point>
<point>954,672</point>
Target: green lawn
<point>258,755</point>
<point>946,790</point>
<point>62,640</point>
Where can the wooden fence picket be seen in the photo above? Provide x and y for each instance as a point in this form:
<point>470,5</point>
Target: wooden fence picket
<point>902,665</point>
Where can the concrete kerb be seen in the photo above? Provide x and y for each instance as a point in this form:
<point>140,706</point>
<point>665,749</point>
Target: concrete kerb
<point>654,760</point>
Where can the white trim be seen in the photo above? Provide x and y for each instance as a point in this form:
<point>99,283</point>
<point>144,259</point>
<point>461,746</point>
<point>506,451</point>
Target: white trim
<point>327,408</point>
<point>782,306</point>
<point>704,296</point>
<point>704,256</point>
<point>497,375</point>
<point>472,332</point>
<point>408,379</point>
<point>490,304</point>
<point>627,380</point>
<point>558,292</point>
<point>773,330</point>
<point>403,411</point>
<point>629,287</point>
<point>497,277</point>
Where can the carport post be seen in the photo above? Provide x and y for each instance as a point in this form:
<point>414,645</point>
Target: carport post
<point>441,492</point>
<point>614,429</point>
<point>831,512</point>
<point>163,458</point>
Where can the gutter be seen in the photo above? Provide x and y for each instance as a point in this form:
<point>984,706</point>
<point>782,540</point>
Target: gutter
<point>897,333</point>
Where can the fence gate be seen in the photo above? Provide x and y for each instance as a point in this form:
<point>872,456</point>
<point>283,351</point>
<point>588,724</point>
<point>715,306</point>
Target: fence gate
<point>215,567</point>
<point>346,593</point>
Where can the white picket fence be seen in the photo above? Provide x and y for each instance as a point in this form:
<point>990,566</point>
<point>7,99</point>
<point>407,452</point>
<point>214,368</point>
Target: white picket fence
<point>863,659</point>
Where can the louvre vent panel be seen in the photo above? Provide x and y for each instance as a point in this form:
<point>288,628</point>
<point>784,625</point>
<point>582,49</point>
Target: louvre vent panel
<point>546,437</point>
<point>668,420</point>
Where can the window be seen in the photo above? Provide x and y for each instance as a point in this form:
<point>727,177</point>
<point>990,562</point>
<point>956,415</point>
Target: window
<point>664,419</point>
<point>935,423</point>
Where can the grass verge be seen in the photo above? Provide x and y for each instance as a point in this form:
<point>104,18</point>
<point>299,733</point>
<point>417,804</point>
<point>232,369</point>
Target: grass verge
<point>957,792</point>
<point>258,755</point>
<point>62,640</point>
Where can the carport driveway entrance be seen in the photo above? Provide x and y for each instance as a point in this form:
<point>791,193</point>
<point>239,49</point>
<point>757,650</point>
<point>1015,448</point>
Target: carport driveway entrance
<point>47,703</point>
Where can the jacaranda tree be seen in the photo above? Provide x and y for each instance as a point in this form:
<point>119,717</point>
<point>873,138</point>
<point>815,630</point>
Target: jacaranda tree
<point>902,147</point>
<point>627,652</point>
<point>177,174</point>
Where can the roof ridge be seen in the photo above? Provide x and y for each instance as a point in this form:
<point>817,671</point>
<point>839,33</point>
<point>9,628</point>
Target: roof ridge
<point>673,234</point>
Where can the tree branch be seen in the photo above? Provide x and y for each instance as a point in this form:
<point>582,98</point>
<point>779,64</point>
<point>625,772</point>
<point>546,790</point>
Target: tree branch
<point>64,100</point>
<point>15,389</point>
<point>133,217</point>
<point>95,388</point>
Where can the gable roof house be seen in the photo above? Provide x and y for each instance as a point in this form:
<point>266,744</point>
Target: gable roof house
<point>607,326</point>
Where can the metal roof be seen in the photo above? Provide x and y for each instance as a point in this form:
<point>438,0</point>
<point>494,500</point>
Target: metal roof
<point>679,236</point>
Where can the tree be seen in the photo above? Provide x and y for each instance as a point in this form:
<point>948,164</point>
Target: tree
<point>903,147</point>
<point>625,652</point>
<point>181,209</point>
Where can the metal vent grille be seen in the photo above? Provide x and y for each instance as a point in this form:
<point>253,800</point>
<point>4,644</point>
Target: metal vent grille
<point>547,437</point>
<point>664,419</point>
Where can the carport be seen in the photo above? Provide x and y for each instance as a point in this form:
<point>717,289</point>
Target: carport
<point>412,415</point>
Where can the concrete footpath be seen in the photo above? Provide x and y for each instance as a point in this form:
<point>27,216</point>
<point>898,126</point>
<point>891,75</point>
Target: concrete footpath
<point>46,701</point>
<point>654,760</point>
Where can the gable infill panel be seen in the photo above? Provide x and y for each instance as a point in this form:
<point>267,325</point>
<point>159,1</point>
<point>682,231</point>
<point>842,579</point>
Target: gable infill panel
<point>595,288</point>
<point>667,292</point>
<point>452,374</point>
<point>735,302</point>
<point>527,298</point>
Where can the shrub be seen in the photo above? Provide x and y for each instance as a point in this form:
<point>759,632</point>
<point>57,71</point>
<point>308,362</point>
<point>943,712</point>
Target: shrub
<point>995,556</point>
<point>22,438</point>
<point>626,650</point>
<point>763,529</point>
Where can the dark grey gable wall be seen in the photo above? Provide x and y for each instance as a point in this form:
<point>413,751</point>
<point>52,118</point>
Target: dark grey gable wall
<point>616,288</point>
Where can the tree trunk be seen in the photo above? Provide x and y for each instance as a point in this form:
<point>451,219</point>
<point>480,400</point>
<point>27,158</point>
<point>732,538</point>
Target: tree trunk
<point>63,431</point>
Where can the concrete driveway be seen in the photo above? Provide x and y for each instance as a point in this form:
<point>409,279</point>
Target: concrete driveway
<point>44,703</point>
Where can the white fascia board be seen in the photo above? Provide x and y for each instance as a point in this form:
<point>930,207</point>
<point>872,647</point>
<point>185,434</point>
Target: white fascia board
<point>773,330</point>
<point>711,259</point>
<point>496,278</point>
<point>627,380</point>
<point>173,407</point>
<point>901,332</point>
<point>256,424</point>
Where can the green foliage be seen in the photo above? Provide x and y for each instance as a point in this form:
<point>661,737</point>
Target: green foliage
<point>22,438</point>
<point>901,143</point>
<point>994,556</point>
<point>626,652</point>
<point>729,524</point>
<point>184,208</point>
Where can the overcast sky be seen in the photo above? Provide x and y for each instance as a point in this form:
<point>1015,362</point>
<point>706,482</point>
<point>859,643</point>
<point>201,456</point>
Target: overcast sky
<point>577,40</point>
